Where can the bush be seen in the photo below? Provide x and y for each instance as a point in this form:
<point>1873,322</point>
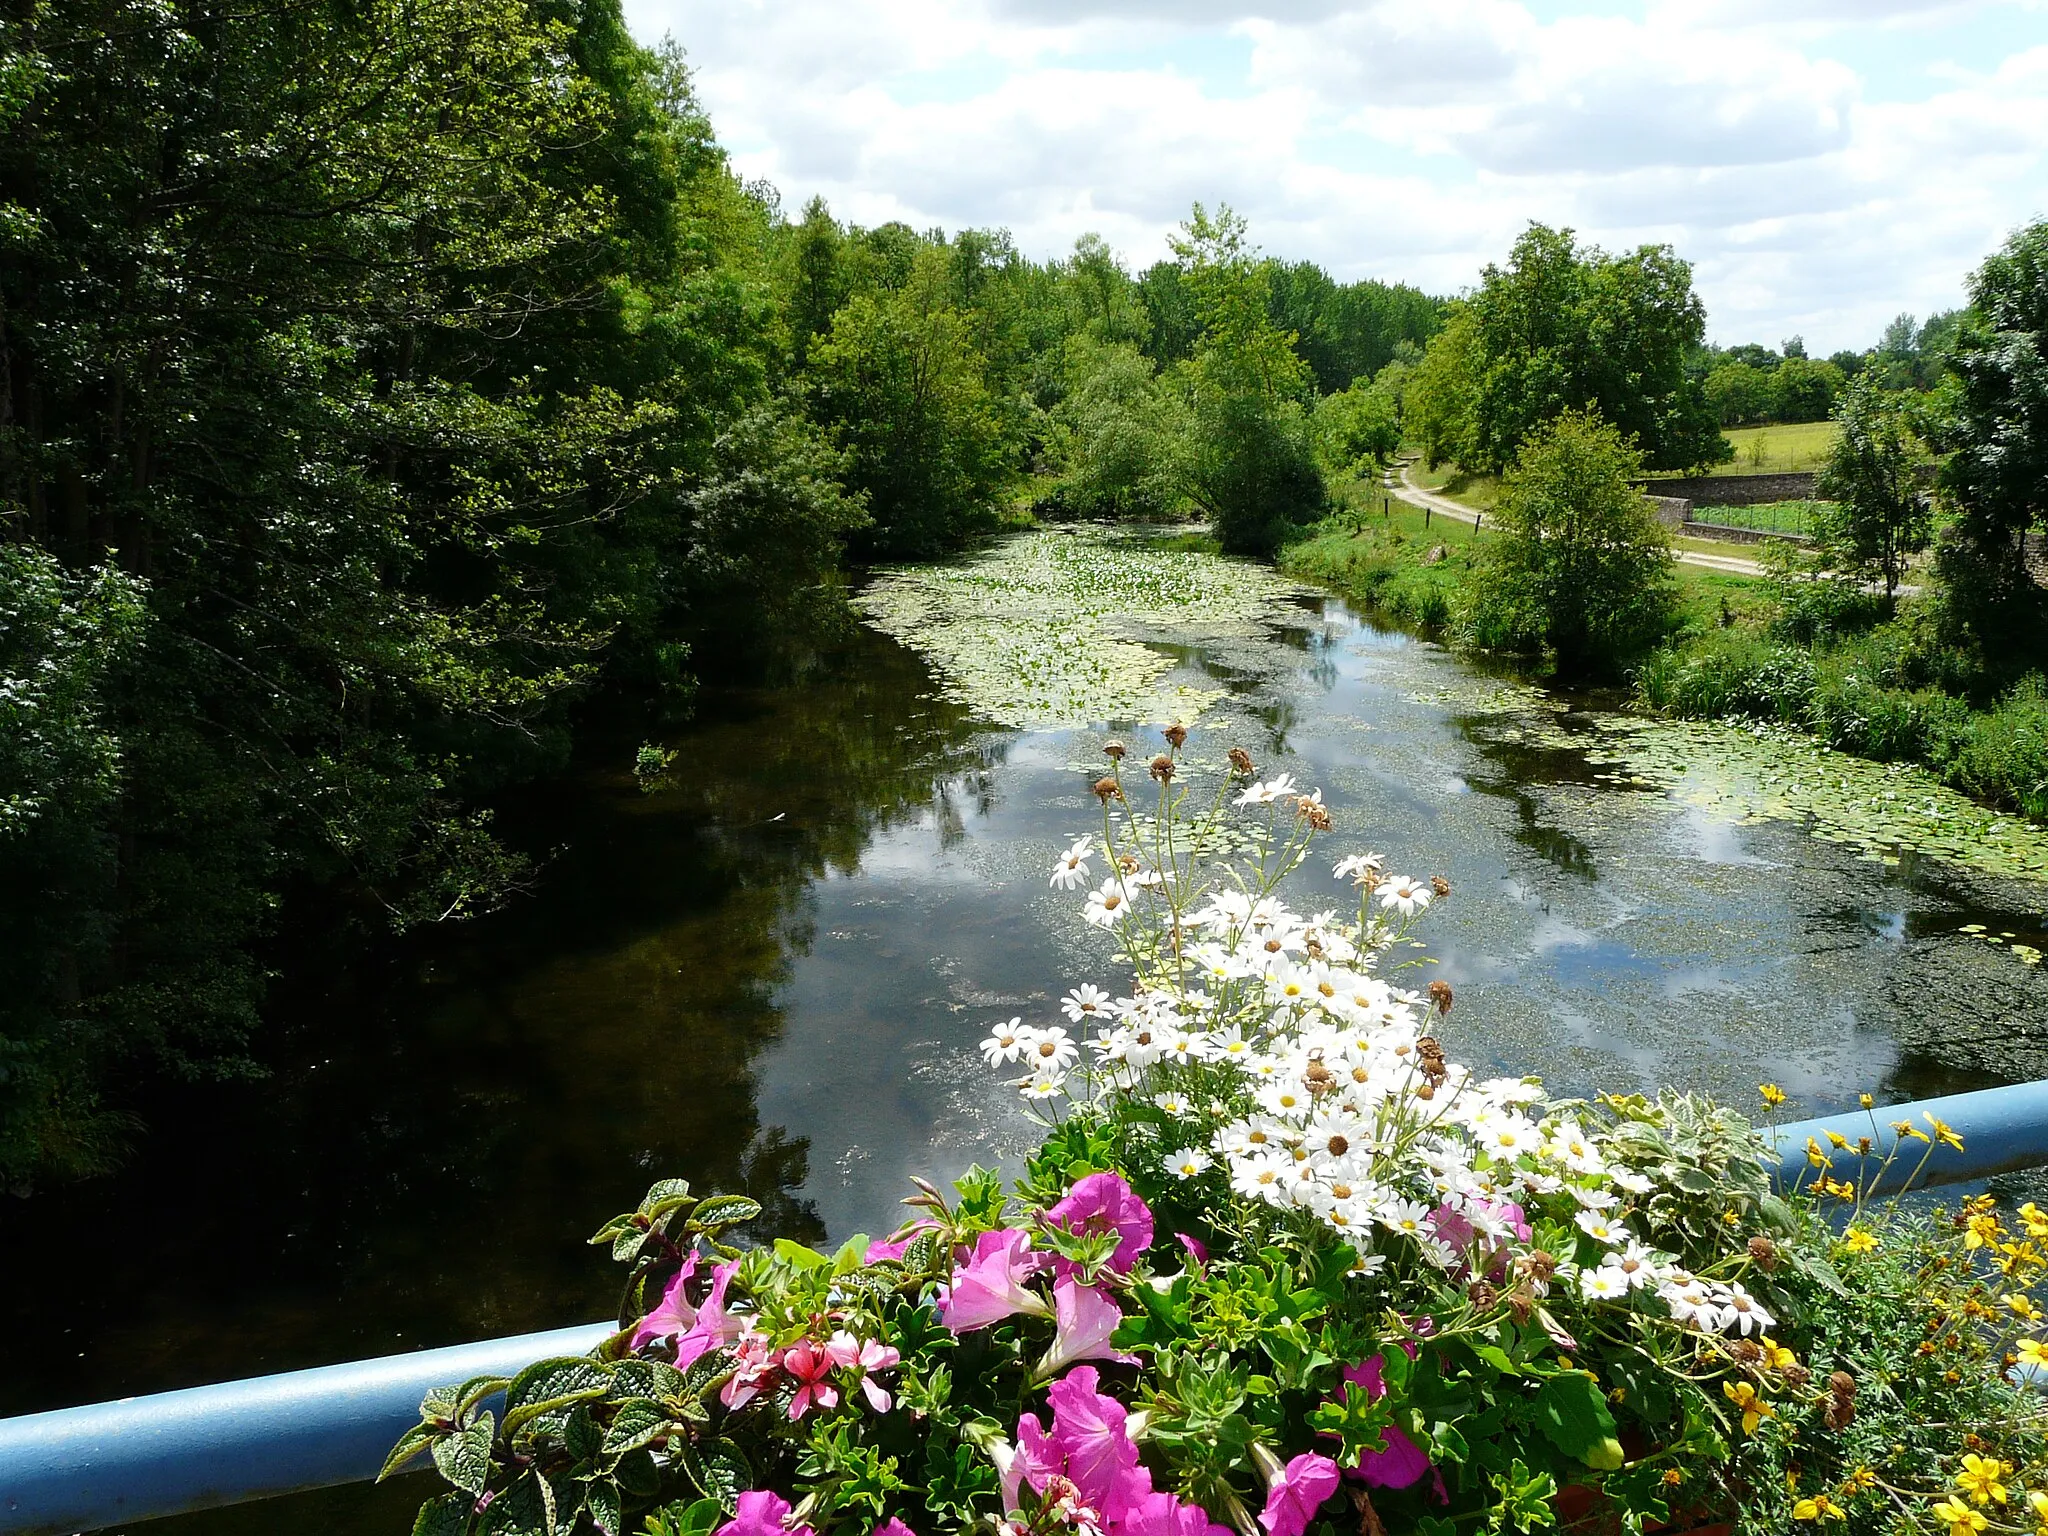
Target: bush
<point>2003,756</point>
<point>1278,1253</point>
<point>1581,567</point>
<point>1728,672</point>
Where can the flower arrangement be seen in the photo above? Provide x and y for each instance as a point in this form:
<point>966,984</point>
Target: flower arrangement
<point>1282,1267</point>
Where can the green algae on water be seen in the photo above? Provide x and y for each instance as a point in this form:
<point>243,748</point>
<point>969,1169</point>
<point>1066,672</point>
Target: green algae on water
<point>1046,629</point>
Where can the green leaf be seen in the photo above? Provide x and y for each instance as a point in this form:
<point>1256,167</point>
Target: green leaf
<point>725,1211</point>
<point>548,1386</point>
<point>637,1422</point>
<point>663,1190</point>
<point>447,1515</point>
<point>1572,1413</point>
<point>601,1501</point>
<point>797,1254</point>
<point>521,1510</point>
<point>582,1437</point>
<point>725,1473</point>
<point>464,1458</point>
<point>638,1475</point>
<point>1496,1357</point>
<point>410,1444</point>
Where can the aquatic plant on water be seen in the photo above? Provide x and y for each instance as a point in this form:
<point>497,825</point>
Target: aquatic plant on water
<point>1282,1267</point>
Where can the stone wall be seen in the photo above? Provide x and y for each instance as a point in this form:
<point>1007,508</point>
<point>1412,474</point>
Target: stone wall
<point>1672,511</point>
<point>1737,490</point>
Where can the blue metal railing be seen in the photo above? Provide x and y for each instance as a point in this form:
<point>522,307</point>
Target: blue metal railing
<point>80,1469</point>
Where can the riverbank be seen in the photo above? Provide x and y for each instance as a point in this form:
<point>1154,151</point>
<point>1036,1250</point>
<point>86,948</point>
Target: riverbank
<point>1740,648</point>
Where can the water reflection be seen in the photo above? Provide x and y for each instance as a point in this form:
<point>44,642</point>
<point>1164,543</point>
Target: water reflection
<point>771,975</point>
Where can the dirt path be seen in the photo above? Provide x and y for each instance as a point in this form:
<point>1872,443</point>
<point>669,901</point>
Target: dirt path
<point>1733,564</point>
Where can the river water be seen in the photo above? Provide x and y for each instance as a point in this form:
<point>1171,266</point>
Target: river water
<point>769,973</point>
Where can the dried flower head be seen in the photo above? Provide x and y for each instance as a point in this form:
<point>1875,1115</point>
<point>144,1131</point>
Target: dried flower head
<point>1797,1376</point>
<point>1162,768</point>
<point>1108,789</point>
<point>1440,885</point>
<point>1241,762</point>
<point>1176,735</point>
<point>1115,751</point>
<point>1765,1252</point>
<point>1746,1351</point>
<point>1482,1295</point>
<point>1440,995</point>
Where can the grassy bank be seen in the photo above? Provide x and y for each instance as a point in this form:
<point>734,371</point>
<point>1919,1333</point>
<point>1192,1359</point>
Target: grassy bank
<point>1821,659</point>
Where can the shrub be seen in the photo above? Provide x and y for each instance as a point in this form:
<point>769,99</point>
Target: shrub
<point>2003,756</point>
<point>1728,672</point>
<point>1278,1252</point>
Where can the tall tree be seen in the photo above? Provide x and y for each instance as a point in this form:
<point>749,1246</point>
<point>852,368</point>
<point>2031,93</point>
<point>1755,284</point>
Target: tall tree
<point>1881,518</point>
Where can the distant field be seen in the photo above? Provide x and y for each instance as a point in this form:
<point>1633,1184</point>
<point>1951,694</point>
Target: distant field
<point>1777,450</point>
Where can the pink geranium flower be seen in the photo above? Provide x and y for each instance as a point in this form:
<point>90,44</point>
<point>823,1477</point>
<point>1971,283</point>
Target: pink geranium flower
<point>1085,1318</point>
<point>1294,1494</point>
<point>675,1314</point>
<point>810,1368</point>
<point>990,1286</point>
<point>867,1356</point>
<point>891,1248</point>
<point>753,1369</point>
<point>1103,1202</point>
<point>761,1513</point>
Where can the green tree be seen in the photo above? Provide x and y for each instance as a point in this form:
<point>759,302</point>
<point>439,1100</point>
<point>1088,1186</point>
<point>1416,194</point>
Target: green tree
<point>1740,394</point>
<point>1996,479</point>
<point>1564,327</point>
<point>1881,518</point>
<point>1581,566</point>
<point>1803,390</point>
<point>1119,433</point>
<point>1251,456</point>
<point>1358,429</point>
<point>1443,392</point>
<point>901,380</point>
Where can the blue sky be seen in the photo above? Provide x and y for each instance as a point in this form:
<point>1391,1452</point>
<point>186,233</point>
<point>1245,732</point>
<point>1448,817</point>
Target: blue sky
<point>1824,164</point>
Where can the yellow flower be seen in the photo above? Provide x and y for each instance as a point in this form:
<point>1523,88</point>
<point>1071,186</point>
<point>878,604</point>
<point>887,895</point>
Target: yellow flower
<point>1907,1128</point>
<point>1960,1519</point>
<point>1980,1478</point>
<point>1838,1141</point>
<point>1942,1133</point>
<point>1776,1355</point>
<point>1819,1507</point>
<point>1865,1100</point>
<point>2020,1304</point>
<point>2035,1353</point>
<point>1862,1480</point>
<point>1815,1156</point>
<point>1754,1409</point>
<point>1856,1240</point>
<point>1773,1094</point>
<point>2039,1501</point>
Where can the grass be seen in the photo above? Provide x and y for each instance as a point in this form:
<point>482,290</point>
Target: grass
<point>1474,490</point>
<point>1767,517</point>
<point>1380,558</point>
<point>1777,450</point>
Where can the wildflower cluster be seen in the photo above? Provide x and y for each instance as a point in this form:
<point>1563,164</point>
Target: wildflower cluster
<point>1282,1266</point>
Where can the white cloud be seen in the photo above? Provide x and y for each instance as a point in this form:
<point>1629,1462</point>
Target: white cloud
<point>1407,141</point>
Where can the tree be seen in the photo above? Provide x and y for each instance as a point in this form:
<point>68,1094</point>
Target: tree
<point>1563,327</point>
<point>1996,479</point>
<point>1803,390</point>
<point>901,380</point>
<point>1581,566</point>
<point>1740,394</point>
<point>1119,433</point>
<point>1442,392</point>
<point>1358,429</point>
<point>1869,474</point>
<point>1251,455</point>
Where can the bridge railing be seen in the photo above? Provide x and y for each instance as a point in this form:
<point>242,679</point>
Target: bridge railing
<point>142,1458</point>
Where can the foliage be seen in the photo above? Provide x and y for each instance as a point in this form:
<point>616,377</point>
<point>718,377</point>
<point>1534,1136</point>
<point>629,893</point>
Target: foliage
<point>1997,431</point>
<point>1251,458</point>
<point>1879,518</point>
<point>1358,430</point>
<point>1581,568</point>
<point>1563,327</point>
<point>902,380</point>
<point>1118,435</point>
<point>1278,1253</point>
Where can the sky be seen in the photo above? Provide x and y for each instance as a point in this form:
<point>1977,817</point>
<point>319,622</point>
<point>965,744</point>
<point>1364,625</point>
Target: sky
<point>1824,164</point>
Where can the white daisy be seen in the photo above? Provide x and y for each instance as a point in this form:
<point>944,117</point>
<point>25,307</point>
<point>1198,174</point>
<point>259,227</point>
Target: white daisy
<point>1189,1163</point>
<point>1087,1002</point>
<point>1070,869</point>
<point>1005,1043</point>
<point>1107,904</point>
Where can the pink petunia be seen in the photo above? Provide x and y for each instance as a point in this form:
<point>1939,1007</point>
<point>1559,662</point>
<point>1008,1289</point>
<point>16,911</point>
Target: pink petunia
<point>1295,1494</point>
<point>1103,1202</point>
<point>990,1286</point>
<point>1085,1318</point>
<point>1198,1255</point>
<point>893,1527</point>
<point>1161,1514</point>
<point>891,1248</point>
<point>1400,1462</point>
<point>675,1314</point>
<point>714,1327</point>
<point>1088,1446</point>
<point>761,1513</point>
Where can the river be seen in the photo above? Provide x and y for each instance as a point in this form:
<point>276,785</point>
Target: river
<point>768,972</point>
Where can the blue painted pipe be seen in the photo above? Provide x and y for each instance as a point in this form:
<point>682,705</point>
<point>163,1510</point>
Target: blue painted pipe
<point>2002,1131</point>
<point>79,1469</point>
